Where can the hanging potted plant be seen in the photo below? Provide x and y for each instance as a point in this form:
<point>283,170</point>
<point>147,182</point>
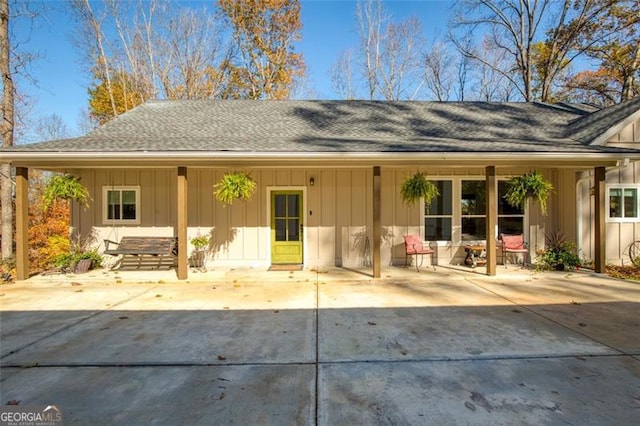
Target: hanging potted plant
<point>529,185</point>
<point>65,187</point>
<point>416,187</point>
<point>234,186</point>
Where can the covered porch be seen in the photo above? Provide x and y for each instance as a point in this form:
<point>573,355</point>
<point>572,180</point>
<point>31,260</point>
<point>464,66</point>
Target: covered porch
<point>380,184</point>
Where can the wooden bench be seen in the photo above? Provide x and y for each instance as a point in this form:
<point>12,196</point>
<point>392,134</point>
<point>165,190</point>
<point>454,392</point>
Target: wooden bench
<point>144,251</point>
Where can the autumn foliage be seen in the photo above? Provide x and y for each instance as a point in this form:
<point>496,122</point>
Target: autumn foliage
<point>48,234</point>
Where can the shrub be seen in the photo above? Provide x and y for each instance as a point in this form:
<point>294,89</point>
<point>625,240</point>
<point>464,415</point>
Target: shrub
<point>559,254</point>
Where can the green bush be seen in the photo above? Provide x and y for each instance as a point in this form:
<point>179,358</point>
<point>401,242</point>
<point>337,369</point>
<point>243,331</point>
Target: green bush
<point>559,254</point>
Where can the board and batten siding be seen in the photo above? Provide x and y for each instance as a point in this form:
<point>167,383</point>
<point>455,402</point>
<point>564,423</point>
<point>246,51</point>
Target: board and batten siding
<point>619,235</point>
<point>337,219</point>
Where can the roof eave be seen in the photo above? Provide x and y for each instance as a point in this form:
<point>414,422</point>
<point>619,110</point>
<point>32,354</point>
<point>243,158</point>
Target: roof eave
<point>614,130</point>
<point>97,159</point>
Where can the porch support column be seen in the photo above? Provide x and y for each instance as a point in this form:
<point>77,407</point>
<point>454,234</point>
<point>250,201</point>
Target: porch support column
<point>181,231</point>
<point>600,257</point>
<point>377,194</point>
<point>492,218</point>
<point>22,223</point>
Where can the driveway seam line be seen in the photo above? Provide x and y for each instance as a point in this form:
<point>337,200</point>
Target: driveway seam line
<point>68,326</point>
<point>548,318</point>
<point>268,364</point>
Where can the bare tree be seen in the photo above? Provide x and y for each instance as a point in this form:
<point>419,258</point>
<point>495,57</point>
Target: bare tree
<point>389,52</point>
<point>7,131</point>
<point>491,85</point>
<point>93,38</point>
<point>194,42</point>
<point>399,73</point>
<point>371,16</point>
<point>539,36</point>
<point>342,74</point>
<point>50,127</point>
<point>439,71</point>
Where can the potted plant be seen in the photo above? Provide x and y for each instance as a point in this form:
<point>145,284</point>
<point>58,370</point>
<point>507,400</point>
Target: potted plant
<point>65,187</point>
<point>529,185</point>
<point>199,254</point>
<point>416,187</point>
<point>559,254</point>
<point>234,186</point>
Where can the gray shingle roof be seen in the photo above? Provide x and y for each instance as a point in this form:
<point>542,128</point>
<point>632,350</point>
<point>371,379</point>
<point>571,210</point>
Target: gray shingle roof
<point>344,126</point>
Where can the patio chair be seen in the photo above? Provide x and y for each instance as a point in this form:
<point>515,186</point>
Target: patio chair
<point>514,244</point>
<point>413,247</point>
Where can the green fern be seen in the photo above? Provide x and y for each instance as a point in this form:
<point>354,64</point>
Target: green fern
<point>531,184</point>
<point>65,187</point>
<point>416,187</point>
<point>234,186</point>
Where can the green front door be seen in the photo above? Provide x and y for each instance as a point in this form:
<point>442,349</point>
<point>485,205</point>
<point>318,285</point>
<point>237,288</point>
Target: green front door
<point>286,227</point>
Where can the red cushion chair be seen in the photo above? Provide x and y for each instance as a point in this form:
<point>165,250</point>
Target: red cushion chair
<point>413,247</point>
<point>514,244</point>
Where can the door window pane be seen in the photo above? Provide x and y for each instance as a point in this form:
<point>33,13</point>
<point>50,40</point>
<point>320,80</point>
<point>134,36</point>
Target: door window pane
<point>293,230</point>
<point>281,229</point>
<point>293,209</point>
<point>280,205</point>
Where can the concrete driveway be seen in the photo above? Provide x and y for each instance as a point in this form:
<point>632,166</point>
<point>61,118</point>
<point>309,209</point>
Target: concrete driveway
<point>329,348</point>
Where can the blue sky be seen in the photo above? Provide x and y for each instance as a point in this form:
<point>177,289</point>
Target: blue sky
<point>329,27</point>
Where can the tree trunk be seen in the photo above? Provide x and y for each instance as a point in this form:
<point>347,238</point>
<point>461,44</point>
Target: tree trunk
<point>7,132</point>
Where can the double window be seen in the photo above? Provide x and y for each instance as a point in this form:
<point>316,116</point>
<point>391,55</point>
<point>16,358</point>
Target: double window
<point>440,217</point>
<point>121,205</point>
<point>622,203</point>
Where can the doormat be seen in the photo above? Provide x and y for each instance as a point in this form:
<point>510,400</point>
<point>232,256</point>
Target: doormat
<point>285,268</point>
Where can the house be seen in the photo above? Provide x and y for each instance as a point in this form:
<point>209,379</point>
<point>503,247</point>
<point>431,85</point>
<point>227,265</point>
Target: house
<point>328,175</point>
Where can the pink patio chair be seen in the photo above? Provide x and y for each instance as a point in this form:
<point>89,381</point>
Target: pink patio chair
<point>514,244</point>
<point>413,247</point>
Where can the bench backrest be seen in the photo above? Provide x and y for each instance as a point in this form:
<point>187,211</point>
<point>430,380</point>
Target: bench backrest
<point>159,244</point>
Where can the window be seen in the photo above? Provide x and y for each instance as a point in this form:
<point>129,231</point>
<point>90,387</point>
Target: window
<point>510,219</point>
<point>622,203</point>
<point>121,205</point>
<point>474,211</point>
<point>439,213</point>
<point>473,208</point>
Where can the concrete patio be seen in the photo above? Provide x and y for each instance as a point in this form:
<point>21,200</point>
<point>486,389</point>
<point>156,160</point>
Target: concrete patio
<point>324,347</point>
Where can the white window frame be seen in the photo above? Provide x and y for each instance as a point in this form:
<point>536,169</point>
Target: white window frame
<point>456,216</point>
<point>622,186</point>
<point>105,205</point>
<point>450,216</point>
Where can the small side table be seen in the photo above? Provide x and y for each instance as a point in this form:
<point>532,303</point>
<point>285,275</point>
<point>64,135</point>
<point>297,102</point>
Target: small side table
<point>476,255</point>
